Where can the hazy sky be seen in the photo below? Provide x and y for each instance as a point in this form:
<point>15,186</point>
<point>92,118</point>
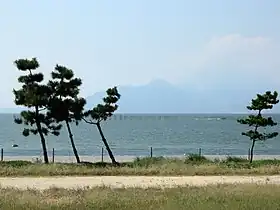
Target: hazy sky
<point>208,44</point>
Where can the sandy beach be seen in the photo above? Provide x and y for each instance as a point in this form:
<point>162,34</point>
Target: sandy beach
<point>124,158</point>
<point>42,183</point>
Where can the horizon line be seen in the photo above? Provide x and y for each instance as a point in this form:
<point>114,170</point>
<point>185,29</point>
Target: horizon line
<point>168,113</point>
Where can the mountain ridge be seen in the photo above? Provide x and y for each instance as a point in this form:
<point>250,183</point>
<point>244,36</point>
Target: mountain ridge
<point>162,97</point>
<point>159,96</point>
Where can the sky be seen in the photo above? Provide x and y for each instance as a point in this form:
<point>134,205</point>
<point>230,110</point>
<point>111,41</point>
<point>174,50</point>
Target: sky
<point>204,44</point>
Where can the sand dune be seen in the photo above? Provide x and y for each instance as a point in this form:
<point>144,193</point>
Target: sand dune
<point>131,181</point>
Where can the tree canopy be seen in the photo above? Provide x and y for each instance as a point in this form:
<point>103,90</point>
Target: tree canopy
<point>35,96</point>
<point>65,103</point>
<point>262,102</point>
<point>101,112</point>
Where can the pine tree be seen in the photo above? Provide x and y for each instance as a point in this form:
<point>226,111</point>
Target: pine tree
<point>101,113</point>
<point>65,105</point>
<point>35,96</point>
<point>261,102</point>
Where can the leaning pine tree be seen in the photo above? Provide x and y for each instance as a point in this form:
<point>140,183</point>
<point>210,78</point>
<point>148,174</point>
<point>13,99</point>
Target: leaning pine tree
<point>35,96</point>
<point>261,102</point>
<point>65,105</point>
<point>101,113</point>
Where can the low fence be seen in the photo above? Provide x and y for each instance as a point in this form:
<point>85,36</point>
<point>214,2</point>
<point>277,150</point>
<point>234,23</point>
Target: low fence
<point>53,156</point>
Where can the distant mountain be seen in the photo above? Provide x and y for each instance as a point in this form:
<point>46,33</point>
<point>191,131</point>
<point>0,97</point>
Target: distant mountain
<point>11,110</point>
<point>157,96</point>
<point>161,97</point>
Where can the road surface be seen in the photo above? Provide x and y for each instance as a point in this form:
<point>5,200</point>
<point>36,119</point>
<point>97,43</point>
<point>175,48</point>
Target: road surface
<point>42,183</point>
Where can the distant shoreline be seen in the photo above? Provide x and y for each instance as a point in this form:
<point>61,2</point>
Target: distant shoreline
<point>170,114</point>
<point>71,159</point>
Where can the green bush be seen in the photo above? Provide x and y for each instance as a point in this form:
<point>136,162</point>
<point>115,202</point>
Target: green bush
<point>16,163</point>
<point>147,161</point>
<point>196,158</point>
<point>236,159</point>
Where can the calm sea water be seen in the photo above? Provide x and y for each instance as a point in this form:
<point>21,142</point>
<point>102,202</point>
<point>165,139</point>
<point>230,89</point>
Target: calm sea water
<point>135,134</point>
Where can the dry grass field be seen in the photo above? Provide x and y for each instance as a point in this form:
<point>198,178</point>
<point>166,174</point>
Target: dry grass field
<point>159,166</point>
<point>226,197</point>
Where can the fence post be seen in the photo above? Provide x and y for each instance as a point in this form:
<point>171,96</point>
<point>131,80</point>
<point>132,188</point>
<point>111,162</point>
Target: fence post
<point>199,152</point>
<point>53,155</point>
<point>2,154</point>
<point>102,155</point>
<point>151,152</point>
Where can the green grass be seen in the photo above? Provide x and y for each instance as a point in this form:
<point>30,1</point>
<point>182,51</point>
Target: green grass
<point>191,165</point>
<point>226,197</point>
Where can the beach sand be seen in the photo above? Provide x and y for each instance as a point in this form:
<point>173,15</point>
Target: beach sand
<point>42,183</point>
<point>71,159</point>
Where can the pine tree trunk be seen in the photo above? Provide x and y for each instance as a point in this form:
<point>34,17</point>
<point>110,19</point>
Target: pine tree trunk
<point>106,145</point>
<point>43,140</point>
<point>72,142</point>
<point>252,151</point>
<point>254,141</point>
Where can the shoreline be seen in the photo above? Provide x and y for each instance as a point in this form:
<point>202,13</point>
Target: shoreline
<point>126,158</point>
<point>43,183</point>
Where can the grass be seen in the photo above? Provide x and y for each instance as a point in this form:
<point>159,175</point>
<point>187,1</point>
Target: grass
<point>229,197</point>
<point>160,166</point>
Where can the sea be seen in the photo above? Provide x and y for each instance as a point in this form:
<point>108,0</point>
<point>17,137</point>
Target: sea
<point>135,134</point>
